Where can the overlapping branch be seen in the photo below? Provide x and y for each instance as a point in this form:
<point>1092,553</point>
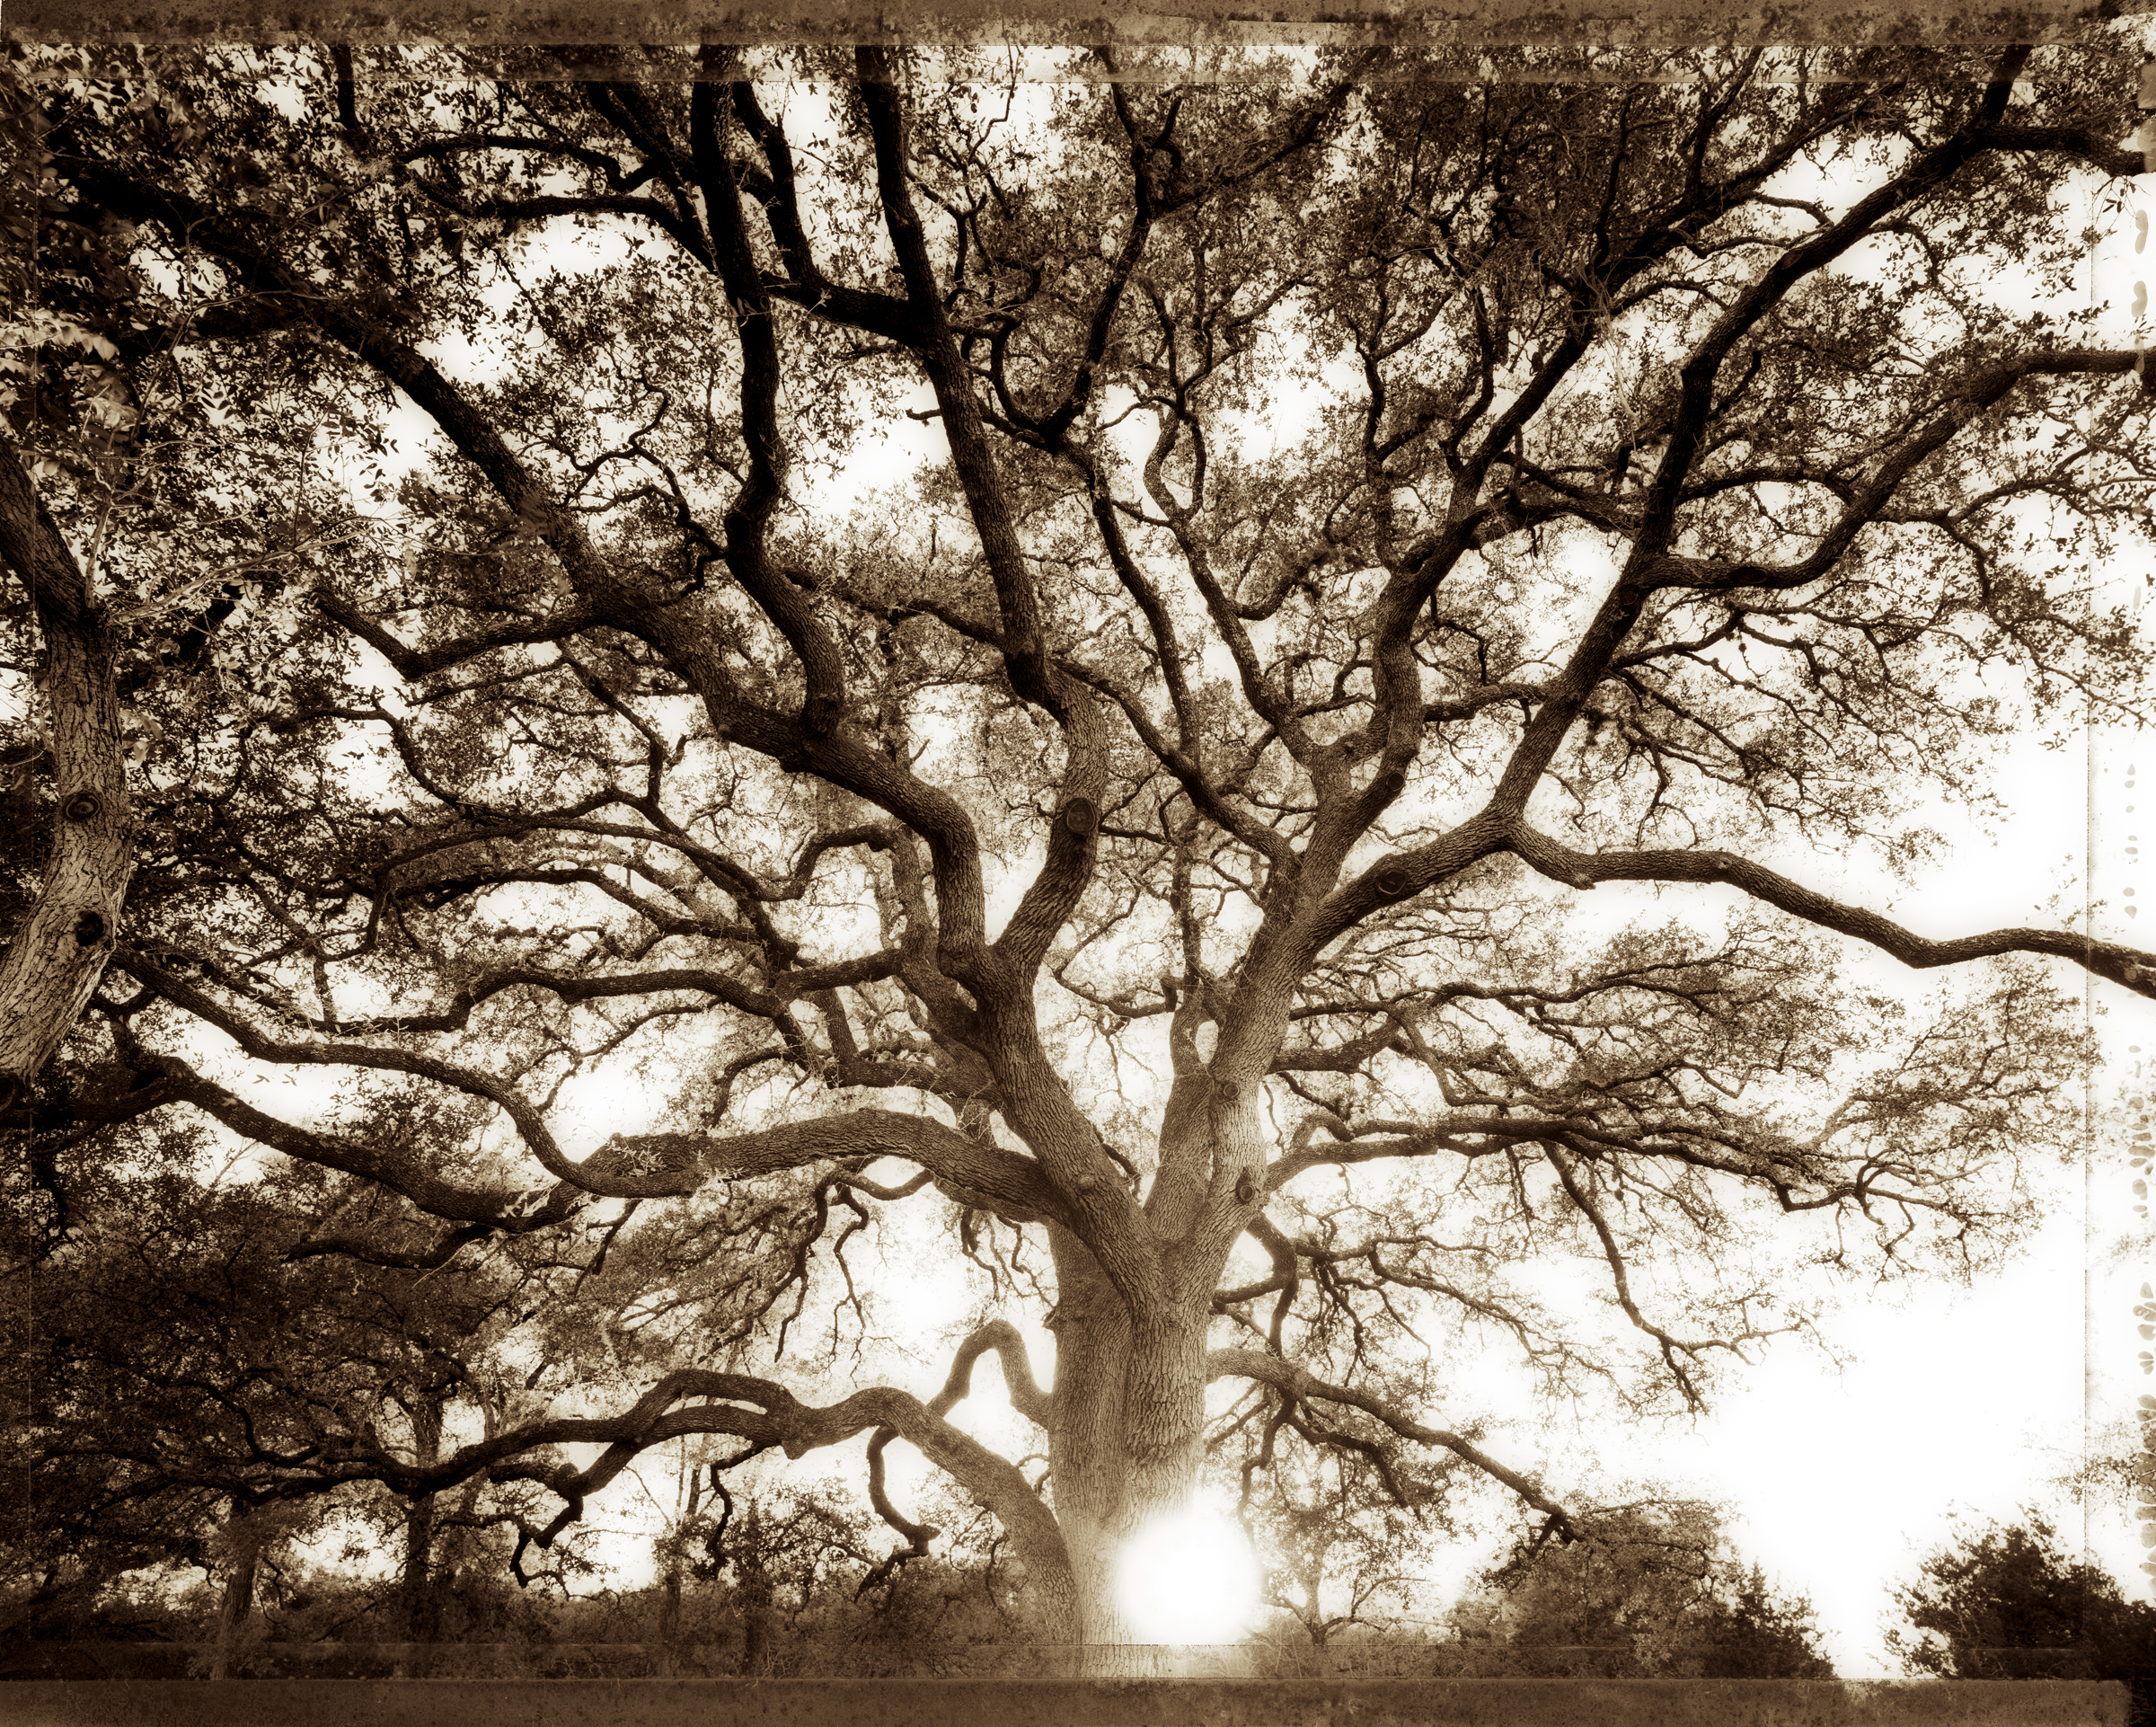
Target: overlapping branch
<point>1295,1384</point>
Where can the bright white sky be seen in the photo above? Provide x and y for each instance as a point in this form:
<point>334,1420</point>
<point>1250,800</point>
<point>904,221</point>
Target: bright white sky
<point>1960,1405</point>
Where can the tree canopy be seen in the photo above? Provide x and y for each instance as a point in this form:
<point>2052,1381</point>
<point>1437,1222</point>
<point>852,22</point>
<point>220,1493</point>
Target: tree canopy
<point>1071,656</point>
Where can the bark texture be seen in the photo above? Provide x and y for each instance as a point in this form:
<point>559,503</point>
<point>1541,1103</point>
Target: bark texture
<point>60,951</point>
<point>245,1541</point>
<point>419,1599</point>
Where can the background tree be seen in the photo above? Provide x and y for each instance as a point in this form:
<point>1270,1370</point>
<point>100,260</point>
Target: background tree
<point>208,1382</point>
<point>1148,837</point>
<point>1658,1593</point>
<point>2006,1602</point>
<point>789,1575</point>
<point>1345,1539</point>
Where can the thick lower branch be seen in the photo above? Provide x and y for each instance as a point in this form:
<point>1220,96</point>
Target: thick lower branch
<point>1026,1395</point>
<point>767,1416</point>
<point>369,1158</point>
<point>988,1176</point>
<point>2132,967</point>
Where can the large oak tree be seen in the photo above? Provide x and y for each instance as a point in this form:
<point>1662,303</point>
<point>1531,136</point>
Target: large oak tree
<point>1363,507</point>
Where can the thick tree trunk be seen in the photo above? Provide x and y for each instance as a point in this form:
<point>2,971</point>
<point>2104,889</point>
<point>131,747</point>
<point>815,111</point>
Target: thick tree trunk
<point>418,1600</point>
<point>755,1613</point>
<point>670,1622</point>
<point>1126,1446</point>
<point>419,1609</point>
<point>245,1540</point>
<point>60,950</point>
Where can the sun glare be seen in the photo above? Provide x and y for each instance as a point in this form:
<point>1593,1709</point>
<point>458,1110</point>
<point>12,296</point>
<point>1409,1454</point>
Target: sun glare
<point>1189,1578</point>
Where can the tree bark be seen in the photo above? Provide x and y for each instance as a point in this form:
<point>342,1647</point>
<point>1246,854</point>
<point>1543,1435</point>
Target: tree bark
<point>419,1600</point>
<point>755,1612</point>
<point>669,1620</point>
<point>1127,1442</point>
<point>417,1608</point>
<point>245,1540</point>
<point>60,950</point>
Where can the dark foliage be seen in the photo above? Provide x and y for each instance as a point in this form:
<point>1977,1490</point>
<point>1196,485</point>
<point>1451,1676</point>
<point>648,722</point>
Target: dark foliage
<point>2009,1603</point>
<point>1655,1593</point>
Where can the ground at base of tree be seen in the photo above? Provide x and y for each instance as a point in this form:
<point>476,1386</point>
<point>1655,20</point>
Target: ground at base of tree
<point>89,1659</point>
<point>943,1702</point>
